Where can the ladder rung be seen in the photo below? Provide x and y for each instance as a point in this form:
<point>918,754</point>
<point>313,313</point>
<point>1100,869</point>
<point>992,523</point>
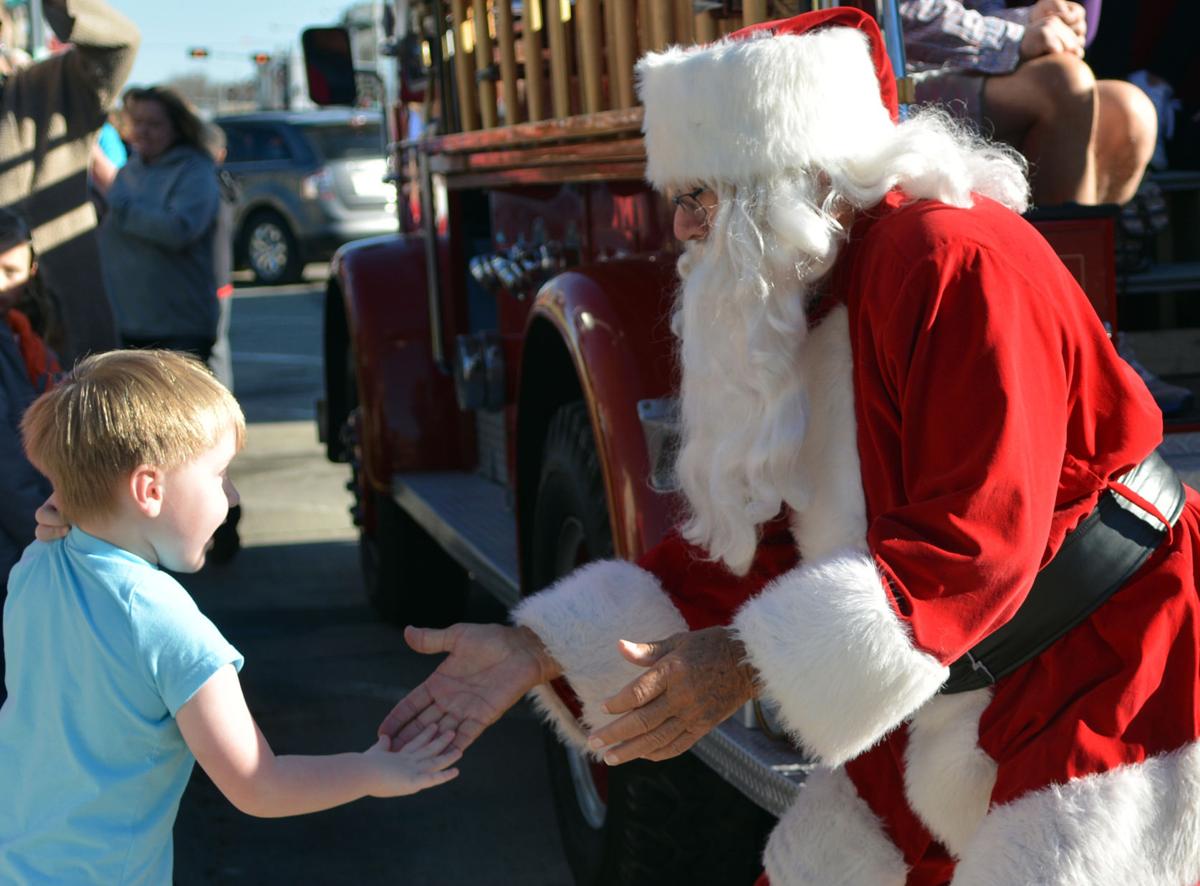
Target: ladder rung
<point>1170,277</point>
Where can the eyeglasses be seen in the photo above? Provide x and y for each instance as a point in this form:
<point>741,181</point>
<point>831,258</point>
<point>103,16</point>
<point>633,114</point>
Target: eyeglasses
<point>692,206</point>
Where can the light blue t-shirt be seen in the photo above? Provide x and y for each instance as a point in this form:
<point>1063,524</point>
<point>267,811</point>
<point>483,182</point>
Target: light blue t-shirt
<point>102,649</point>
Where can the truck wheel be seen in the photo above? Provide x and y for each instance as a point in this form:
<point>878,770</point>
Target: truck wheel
<point>409,578</point>
<point>642,823</point>
<point>270,248</point>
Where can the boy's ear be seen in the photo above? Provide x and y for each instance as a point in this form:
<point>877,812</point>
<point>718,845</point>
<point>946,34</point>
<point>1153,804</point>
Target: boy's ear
<point>146,487</point>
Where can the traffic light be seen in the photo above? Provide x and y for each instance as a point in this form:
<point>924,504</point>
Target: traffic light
<point>261,58</point>
<point>198,52</point>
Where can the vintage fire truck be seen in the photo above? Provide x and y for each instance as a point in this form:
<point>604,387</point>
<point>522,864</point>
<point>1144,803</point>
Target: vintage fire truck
<point>500,373</point>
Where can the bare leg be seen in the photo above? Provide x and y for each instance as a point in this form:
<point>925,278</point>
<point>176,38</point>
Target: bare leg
<point>1046,108</point>
<point>1125,134</point>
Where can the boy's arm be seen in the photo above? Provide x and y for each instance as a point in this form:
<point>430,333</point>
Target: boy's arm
<point>227,743</point>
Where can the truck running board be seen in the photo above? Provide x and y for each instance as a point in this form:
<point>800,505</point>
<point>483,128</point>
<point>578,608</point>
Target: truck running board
<point>471,517</point>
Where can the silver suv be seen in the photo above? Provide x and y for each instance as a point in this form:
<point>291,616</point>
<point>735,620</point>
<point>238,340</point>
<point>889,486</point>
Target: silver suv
<point>310,181</point>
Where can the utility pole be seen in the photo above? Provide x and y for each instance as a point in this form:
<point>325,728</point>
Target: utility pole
<point>37,30</point>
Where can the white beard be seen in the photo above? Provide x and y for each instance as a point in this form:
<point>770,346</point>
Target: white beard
<point>741,321</point>
<point>741,318</point>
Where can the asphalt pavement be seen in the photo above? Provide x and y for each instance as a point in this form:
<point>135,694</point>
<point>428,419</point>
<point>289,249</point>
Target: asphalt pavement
<point>321,670</point>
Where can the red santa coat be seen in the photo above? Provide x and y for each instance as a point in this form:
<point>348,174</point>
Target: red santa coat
<point>966,412</point>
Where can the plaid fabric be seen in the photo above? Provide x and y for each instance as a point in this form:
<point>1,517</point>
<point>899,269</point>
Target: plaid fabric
<point>979,35</point>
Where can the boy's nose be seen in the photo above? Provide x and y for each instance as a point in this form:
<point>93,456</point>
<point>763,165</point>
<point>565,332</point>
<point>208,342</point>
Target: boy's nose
<point>231,493</point>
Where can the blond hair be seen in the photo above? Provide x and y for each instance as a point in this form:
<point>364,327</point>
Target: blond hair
<point>121,409</point>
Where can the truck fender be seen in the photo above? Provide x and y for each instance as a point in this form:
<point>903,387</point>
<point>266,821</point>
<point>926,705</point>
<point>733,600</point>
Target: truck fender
<point>408,417</point>
<point>608,326</point>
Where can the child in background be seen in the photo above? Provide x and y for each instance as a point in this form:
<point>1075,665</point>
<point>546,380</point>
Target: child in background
<point>26,369</point>
<point>115,677</point>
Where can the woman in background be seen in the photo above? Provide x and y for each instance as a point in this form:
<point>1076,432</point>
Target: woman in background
<point>157,237</point>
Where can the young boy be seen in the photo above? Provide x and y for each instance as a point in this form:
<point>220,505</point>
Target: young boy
<point>115,678</point>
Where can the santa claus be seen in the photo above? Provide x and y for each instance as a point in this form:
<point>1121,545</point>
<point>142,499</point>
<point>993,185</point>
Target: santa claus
<point>986,625</point>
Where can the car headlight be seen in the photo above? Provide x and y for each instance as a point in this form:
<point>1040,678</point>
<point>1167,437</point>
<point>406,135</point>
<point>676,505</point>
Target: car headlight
<point>318,186</point>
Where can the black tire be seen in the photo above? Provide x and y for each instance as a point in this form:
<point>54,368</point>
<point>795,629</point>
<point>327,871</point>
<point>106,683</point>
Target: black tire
<point>341,383</point>
<point>409,577</point>
<point>662,823</point>
<point>270,248</point>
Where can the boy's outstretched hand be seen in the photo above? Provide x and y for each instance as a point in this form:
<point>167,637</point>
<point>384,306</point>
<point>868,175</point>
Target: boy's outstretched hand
<point>420,764</point>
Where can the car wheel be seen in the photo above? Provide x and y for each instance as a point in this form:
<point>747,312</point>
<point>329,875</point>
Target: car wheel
<point>409,578</point>
<point>341,383</point>
<point>270,248</point>
<point>641,823</point>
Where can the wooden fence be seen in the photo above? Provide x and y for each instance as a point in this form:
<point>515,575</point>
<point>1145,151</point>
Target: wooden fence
<point>534,60</point>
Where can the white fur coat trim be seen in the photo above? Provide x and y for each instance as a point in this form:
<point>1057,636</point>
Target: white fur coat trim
<point>834,657</point>
<point>580,619</point>
<point>948,778</point>
<point>834,514</point>
<point>746,109</point>
<point>1138,825</point>
<point>830,837</point>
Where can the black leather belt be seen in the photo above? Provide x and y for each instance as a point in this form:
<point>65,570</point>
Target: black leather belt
<point>1095,559</point>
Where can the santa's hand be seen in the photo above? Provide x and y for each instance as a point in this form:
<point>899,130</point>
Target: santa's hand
<point>51,524</point>
<point>693,681</point>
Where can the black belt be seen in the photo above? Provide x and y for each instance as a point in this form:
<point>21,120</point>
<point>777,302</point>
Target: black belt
<point>1095,559</point>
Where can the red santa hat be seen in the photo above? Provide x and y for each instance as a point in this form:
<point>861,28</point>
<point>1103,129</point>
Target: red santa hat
<point>780,95</point>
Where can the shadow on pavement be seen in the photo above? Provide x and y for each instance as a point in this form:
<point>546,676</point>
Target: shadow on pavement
<point>321,671</point>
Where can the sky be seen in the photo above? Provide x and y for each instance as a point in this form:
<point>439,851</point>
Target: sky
<point>232,31</point>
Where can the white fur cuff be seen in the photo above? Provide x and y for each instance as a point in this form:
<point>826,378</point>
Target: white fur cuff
<point>580,619</point>
<point>830,837</point>
<point>948,777</point>
<point>1138,825</point>
<point>835,657</point>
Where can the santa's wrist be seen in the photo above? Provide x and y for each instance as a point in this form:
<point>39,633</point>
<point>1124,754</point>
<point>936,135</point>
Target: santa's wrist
<point>548,667</point>
<point>746,671</point>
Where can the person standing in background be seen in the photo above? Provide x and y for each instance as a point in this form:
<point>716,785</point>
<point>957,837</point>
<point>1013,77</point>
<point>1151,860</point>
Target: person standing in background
<point>157,237</point>
<point>226,541</point>
<point>13,57</point>
<point>27,370</point>
<point>1019,73</point>
<point>221,360</point>
<point>49,115</point>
